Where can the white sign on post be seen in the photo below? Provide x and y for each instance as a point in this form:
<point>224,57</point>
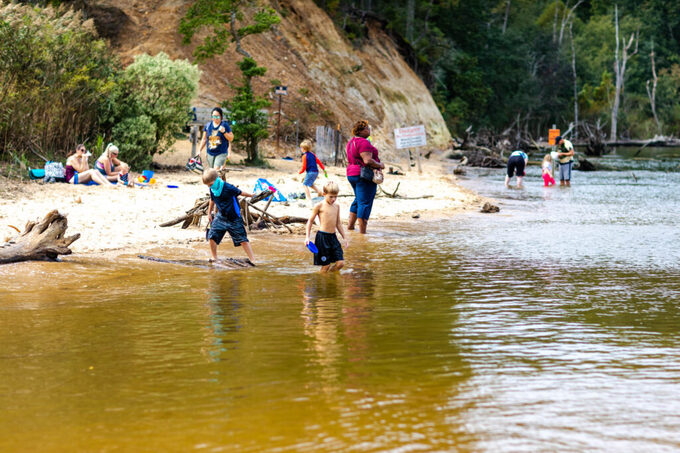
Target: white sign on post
<point>201,115</point>
<point>410,137</point>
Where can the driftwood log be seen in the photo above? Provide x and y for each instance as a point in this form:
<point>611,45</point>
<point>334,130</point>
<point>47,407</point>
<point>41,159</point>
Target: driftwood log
<point>490,208</point>
<point>200,209</point>
<point>585,165</point>
<point>42,240</point>
<point>483,157</point>
<point>254,218</point>
<point>222,263</point>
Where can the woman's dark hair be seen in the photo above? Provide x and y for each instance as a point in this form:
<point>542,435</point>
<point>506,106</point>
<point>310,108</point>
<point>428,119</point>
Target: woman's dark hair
<point>218,110</point>
<point>359,126</point>
<point>71,153</point>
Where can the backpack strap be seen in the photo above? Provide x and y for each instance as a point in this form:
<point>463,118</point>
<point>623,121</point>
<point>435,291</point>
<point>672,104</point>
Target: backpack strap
<point>356,162</point>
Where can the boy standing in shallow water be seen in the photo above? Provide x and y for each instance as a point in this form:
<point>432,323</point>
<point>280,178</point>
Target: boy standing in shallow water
<point>223,200</point>
<point>329,256</point>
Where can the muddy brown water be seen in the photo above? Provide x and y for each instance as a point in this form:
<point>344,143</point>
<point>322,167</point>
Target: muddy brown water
<point>551,326</point>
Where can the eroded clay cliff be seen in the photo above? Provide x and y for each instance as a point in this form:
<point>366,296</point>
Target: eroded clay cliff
<point>329,81</point>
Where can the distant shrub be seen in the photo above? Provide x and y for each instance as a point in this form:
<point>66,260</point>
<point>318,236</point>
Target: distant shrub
<point>153,91</point>
<point>54,73</point>
<point>60,85</point>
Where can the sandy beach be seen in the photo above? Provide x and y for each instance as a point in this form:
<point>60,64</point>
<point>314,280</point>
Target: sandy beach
<point>127,219</point>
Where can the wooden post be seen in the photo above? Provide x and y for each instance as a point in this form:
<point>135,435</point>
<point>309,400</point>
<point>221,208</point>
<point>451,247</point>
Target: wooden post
<point>420,170</point>
<point>278,126</point>
<point>194,140</point>
<point>336,144</point>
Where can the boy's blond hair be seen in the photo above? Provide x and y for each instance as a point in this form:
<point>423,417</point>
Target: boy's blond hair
<point>331,188</point>
<point>209,176</point>
<point>306,145</point>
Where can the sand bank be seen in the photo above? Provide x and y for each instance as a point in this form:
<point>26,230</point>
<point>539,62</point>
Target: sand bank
<point>127,219</point>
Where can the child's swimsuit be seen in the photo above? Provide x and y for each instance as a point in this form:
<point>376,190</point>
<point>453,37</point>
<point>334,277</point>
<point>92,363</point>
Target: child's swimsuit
<point>329,247</point>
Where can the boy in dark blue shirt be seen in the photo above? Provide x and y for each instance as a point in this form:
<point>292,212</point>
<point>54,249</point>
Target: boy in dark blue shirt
<point>223,200</point>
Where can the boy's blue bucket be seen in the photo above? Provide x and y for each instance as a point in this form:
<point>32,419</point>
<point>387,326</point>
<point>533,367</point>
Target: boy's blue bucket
<point>147,174</point>
<point>312,248</point>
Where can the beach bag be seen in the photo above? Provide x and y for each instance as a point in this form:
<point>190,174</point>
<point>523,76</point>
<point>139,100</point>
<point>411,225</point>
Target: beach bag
<point>55,172</point>
<point>367,173</point>
<point>195,164</point>
<point>36,173</point>
<point>372,174</point>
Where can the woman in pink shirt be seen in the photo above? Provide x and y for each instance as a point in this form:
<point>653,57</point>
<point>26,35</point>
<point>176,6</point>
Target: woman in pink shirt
<point>361,153</point>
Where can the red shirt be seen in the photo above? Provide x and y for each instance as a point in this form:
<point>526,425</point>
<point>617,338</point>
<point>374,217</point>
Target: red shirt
<point>309,165</point>
<point>355,147</point>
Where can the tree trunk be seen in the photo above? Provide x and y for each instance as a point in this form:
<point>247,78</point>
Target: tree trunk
<point>410,17</point>
<point>620,70</point>
<point>41,241</point>
<point>652,93</point>
<point>566,19</point>
<point>507,14</point>
<point>236,36</point>
<point>617,69</point>
<point>557,9</point>
<point>573,70</point>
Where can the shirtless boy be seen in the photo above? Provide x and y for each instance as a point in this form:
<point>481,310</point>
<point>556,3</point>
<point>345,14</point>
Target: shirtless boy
<point>329,256</point>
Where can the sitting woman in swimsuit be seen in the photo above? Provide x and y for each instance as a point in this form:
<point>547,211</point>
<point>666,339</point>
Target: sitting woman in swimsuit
<point>110,166</point>
<point>79,172</point>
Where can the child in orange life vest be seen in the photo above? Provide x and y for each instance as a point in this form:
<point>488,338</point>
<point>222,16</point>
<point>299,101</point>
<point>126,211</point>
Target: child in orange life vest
<point>310,164</point>
<point>546,167</point>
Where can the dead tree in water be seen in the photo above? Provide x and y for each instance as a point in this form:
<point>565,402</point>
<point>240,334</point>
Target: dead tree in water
<point>573,70</point>
<point>595,138</point>
<point>40,241</point>
<point>652,93</point>
<point>620,62</point>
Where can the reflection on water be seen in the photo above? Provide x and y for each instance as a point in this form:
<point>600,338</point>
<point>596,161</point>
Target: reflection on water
<point>549,326</point>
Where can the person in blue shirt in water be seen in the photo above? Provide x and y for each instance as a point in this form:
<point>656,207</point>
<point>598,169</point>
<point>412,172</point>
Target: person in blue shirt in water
<point>223,200</point>
<point>217,137</point>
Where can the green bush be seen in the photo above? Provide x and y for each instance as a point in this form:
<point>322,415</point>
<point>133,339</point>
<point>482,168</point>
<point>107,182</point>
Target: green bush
<point>136,137</point>
<point>54,73</point>
<point>154,91</point>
